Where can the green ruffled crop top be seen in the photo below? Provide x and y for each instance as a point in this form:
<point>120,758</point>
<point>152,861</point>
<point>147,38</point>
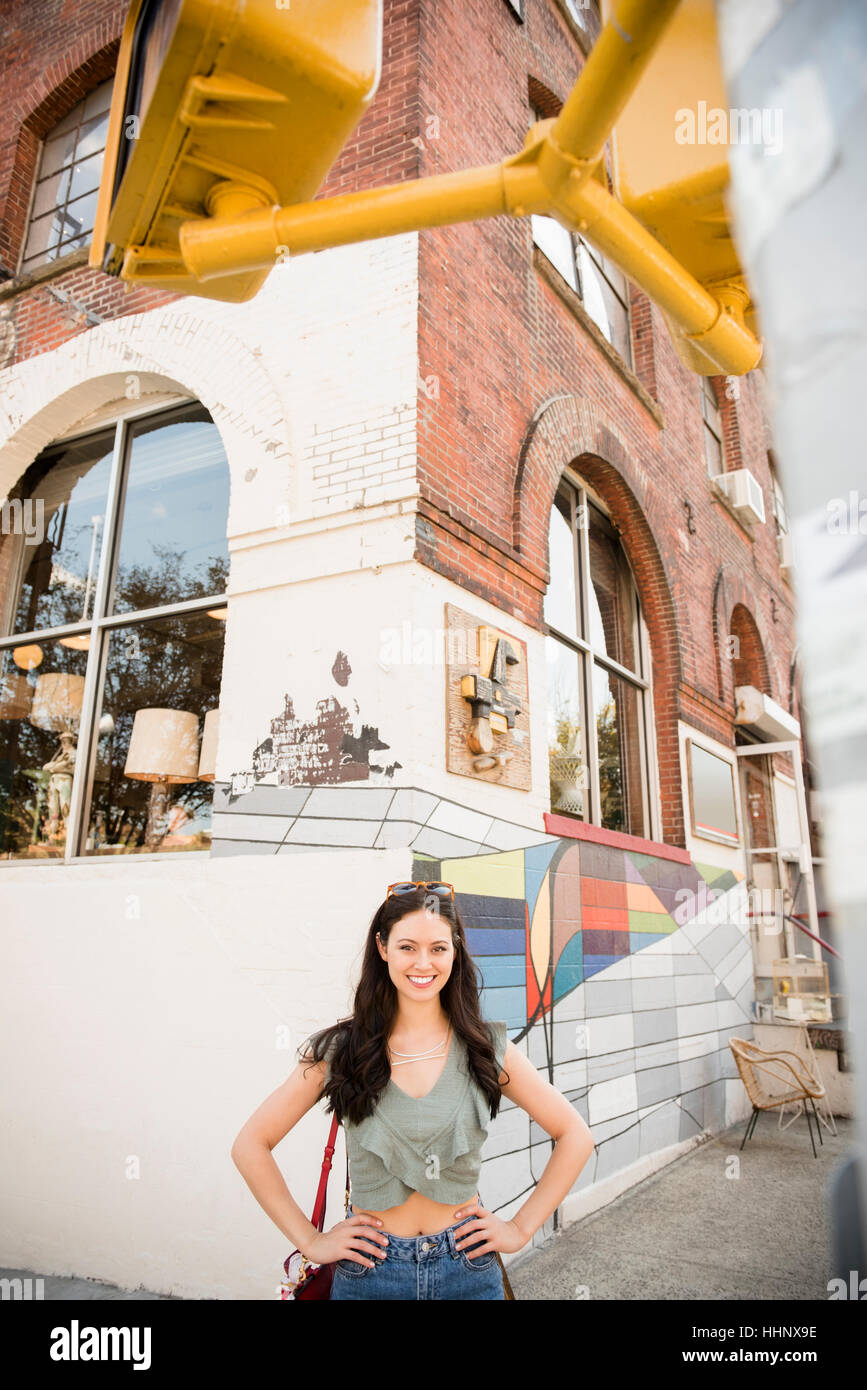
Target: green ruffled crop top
<point>431,1144</point>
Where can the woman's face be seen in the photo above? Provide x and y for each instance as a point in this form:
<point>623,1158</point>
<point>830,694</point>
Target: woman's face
<point>420,953</point>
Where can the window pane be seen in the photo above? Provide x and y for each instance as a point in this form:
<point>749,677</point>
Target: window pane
<point>709,406</point>
<point>616,710</point>
<point>613,611</point>
<point>77,220</point>
<point>173,542</point>
<point>92,137</point>
<point>67,491</point>
<point>712,452</point>
<point>779,504</point>
<point>68,181</point>
<point>50,192</point>
<point>85,176</point>
<point>168,673</point>
<point>99,99</point>
<point>43,236</point>
<point>41,689</point>
<point>567,759</point>
<point>58,151</point>
<point>713,795</point>
<point>557,245</point>
<point>559,604</point>
<point>583,12</point>
<point>602,304</point>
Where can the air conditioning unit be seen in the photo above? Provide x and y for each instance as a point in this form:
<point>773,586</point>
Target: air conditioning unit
<point>743,493</point>
<point>784,550</point>
<point>764,716</point>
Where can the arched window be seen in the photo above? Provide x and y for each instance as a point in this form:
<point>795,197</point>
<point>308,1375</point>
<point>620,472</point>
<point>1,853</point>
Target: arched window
<point>599,716</point>
<point>63,210</point>
<point>113,612</point>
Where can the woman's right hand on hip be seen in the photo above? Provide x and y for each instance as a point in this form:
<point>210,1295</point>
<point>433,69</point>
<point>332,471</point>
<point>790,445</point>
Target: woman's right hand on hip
<point>356,1238</point>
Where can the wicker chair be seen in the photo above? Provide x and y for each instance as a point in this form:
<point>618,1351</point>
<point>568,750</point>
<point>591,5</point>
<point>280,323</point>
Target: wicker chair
<point>785,1078</point>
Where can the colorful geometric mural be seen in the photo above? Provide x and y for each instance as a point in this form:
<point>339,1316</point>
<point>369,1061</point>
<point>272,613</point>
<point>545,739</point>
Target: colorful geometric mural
<point>542,920</point>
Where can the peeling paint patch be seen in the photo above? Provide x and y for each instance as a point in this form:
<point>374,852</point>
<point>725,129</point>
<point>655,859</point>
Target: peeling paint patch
<point>333,746</point>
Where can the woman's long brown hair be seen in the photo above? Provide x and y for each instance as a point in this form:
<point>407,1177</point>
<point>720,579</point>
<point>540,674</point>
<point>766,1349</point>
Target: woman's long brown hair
<point>360,1068</point>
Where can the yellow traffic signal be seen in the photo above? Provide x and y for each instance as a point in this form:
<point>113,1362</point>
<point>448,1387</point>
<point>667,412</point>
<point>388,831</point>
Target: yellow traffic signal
<point>670,164</point>
<point>228,114</point>
<point>221,107</point>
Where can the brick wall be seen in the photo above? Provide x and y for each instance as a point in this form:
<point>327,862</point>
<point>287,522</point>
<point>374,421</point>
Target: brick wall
<point>502,342</point>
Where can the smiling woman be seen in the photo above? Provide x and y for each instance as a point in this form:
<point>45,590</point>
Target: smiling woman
<point>418,1229</point>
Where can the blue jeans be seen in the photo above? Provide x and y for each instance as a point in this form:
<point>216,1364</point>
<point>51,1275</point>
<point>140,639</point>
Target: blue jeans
<point>421,1267</point>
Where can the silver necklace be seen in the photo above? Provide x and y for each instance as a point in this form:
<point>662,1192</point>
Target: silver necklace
<point>417,1056</point>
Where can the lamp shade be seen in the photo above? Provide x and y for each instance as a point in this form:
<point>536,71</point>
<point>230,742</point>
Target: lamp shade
<point>208,759</point>
<point>16,695</point>
<point>164,746</point>
<point>57,701</point>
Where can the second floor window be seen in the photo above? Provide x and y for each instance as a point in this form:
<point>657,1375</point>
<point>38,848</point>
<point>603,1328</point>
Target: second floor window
<point>779,501</point>
<point>67,184</point>
<point>599,716</point>
<point>713,435</point>
<point>600,285</point>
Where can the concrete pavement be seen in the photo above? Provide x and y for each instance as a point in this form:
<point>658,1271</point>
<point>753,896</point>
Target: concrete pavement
<point>691,1232</point>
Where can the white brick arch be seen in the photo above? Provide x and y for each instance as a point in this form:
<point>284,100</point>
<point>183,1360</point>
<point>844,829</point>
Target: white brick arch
<point>162,350</point>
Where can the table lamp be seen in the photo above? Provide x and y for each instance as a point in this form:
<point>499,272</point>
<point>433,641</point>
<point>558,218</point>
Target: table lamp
<point>208,759</point>
<point>164,750</point>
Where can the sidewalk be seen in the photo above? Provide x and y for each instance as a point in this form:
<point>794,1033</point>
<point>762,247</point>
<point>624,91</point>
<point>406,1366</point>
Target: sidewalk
<point>687,1232</point>
<point>691,1232</point>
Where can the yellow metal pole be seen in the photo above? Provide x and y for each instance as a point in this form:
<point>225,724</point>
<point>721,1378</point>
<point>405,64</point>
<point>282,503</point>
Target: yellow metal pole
<point>257,240</point>
<point>609,77</point>
<point>550,176</point>
<point>715,325</point>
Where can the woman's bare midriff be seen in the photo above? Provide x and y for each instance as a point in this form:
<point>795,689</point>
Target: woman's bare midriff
<point>417,1216</point>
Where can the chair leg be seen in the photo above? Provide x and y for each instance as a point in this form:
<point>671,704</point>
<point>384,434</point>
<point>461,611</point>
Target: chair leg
<point>818,1125</point>
<point>751,1124</point>
<point>810,1128</point>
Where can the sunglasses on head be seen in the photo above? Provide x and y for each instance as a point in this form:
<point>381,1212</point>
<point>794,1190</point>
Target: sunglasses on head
<point>442,890</point>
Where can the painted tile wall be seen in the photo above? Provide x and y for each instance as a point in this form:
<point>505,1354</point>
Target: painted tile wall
<point>622,976</point>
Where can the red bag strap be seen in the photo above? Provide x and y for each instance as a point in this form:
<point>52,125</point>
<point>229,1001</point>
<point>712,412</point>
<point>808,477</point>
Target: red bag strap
<point>318,1217</point>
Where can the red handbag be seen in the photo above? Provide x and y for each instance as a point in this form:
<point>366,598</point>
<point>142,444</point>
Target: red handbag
<point>303,1279</point>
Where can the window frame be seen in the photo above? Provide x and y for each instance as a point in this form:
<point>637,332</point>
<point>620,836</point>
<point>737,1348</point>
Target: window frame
<point>699,830</point>
<point>590,656</point>
<point>100,627</point>
<point>778,499</point>
<point>600,262</point>
<point>707,392</point>
<point>44,266</point>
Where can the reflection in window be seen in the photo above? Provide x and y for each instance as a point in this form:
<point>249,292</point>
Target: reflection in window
<point>619,752</point>
<point>613,606</point>
<point>595,663</point>
<point>67,185</point>
<point>560,607</point>
<point>566,750</point>
<point>173,541</point>
<point>41,690</point>
<point>68,487</point>
<point>128,767</point>
<point>712,795</point>
<point>162,679</point>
